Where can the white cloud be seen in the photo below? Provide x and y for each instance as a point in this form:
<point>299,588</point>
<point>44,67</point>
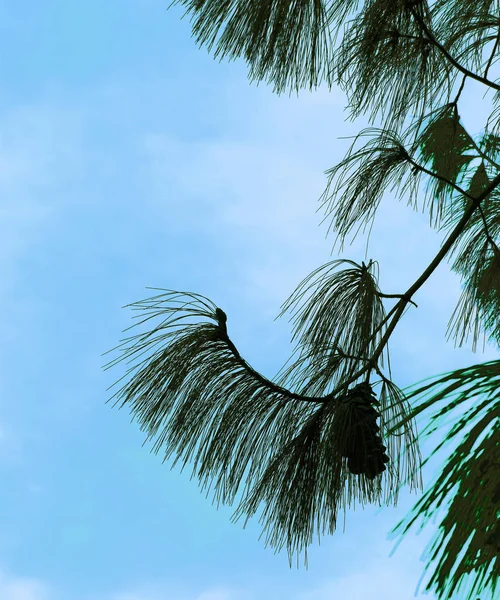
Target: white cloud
<point>359,568</point>
<point>27,588</point>
<point>370,573</point>
<point>22,588</point>
<point>177,592</point>
<point>379,579</point>
<point>363,584</point>
<point>258,195</point>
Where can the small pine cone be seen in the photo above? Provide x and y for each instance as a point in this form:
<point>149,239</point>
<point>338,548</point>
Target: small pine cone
<point>365,451</point>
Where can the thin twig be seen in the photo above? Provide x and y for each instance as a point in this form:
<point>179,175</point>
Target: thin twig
<point>484,156</point>
<point>440,177</point>
<point>395,296</point>
<point>460,90</point>
<point>492,242</point>
<point>452,238</point>
<point>490,60</point>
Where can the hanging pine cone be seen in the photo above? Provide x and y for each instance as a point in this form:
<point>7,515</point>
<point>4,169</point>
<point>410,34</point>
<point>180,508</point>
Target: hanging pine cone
<point>361,442</point>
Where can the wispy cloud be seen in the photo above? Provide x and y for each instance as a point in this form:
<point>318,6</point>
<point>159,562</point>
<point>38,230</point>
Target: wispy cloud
<point>22,588</point>
<point>39,150</point>
<point>178,592</point>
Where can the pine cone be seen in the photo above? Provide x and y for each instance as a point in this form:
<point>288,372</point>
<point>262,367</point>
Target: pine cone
<point>365,451</point>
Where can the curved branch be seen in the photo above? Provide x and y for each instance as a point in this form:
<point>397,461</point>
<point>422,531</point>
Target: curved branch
<point>267,382</point>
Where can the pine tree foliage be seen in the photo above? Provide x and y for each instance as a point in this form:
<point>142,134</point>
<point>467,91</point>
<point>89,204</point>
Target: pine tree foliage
<point>446,148</point>
<point>493,121</point>
<point>489,143</point>
<point>477,260</point>
<point>465,28</point>
<point>286,43</point>
<point>356,185</point>
<point>386,65</point>
<point>344,312</point>
<point>469,483</point>
<point>333,427</point>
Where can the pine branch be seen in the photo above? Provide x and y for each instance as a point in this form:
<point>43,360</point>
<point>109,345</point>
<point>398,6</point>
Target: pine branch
<point>286,43</point>
<point>294,448</point>
<point>450,58</point>
<point>190,389</point>
<point>406,298</point>
<point>452,238</point>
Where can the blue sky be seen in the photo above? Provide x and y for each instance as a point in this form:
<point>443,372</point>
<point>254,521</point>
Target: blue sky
<point>130,158</point>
